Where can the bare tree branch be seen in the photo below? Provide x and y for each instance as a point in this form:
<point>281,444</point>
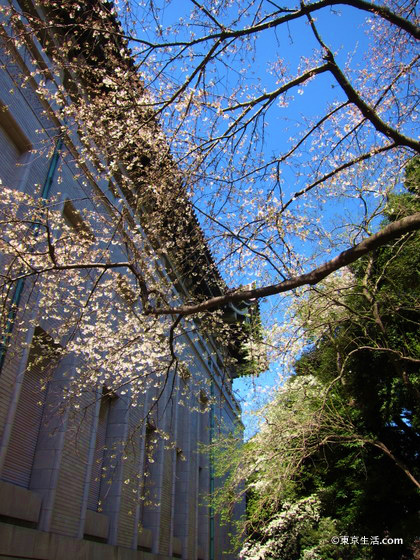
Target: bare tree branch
<point>388,233</point>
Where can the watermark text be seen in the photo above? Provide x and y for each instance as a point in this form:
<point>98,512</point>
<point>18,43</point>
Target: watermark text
<point>374,540</point>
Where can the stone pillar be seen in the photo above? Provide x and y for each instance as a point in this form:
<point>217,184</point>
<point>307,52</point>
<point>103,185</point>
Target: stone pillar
<point>90,459</point>
<point>203,490</point>
<point>182,477</point>
<point>111,491</point>
<point>49,448</point>
<point>140,468</point>
<point>174,431</point>
<point>157,517</point>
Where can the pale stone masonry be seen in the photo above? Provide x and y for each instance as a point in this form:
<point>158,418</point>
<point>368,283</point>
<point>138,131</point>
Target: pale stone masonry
<point>48,498</point>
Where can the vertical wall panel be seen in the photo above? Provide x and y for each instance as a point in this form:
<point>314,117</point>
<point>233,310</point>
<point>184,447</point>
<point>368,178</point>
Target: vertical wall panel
<point>27,423</point>
<point>71,479</point>
<point>166,503</point>
<point>98,459</point>
<point>133,478</point>
<point>22,445</point>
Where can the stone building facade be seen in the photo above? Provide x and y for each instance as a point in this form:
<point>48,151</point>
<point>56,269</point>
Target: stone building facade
<point>55,502</point>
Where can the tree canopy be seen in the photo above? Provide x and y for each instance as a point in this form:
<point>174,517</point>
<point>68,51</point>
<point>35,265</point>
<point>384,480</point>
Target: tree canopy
<point>218,172</point>
<point>189,138</point>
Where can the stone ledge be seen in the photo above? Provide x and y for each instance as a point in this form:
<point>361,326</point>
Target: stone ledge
<point>145,539</point>
<point>19,503</point>
<point>96,524</point>
<point>21,542</point>
<point>177,546</point>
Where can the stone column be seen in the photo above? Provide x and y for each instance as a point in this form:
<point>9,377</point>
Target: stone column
<point>182,477</point>
<point>111,491</point>
<point>49,448</point>
<point>89,465</point>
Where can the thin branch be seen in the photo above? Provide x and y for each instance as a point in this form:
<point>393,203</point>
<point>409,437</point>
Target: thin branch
<point>285,87</point>
<point>338,169</point>
<point>388,233</point>
<point>208,14</point>
<point>390,350</point>
<point>397,461</point>
<point>367,111</point>
<point>378,10</point>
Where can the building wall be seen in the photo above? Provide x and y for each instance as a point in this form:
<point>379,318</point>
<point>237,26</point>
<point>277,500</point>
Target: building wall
<point>51,516</point>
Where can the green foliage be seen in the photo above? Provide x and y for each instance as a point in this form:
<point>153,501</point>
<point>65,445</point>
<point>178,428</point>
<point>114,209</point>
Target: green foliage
<point>252,357</point>
<point>412,176</point>
<point>338,449</point>
<point>296,531</point>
